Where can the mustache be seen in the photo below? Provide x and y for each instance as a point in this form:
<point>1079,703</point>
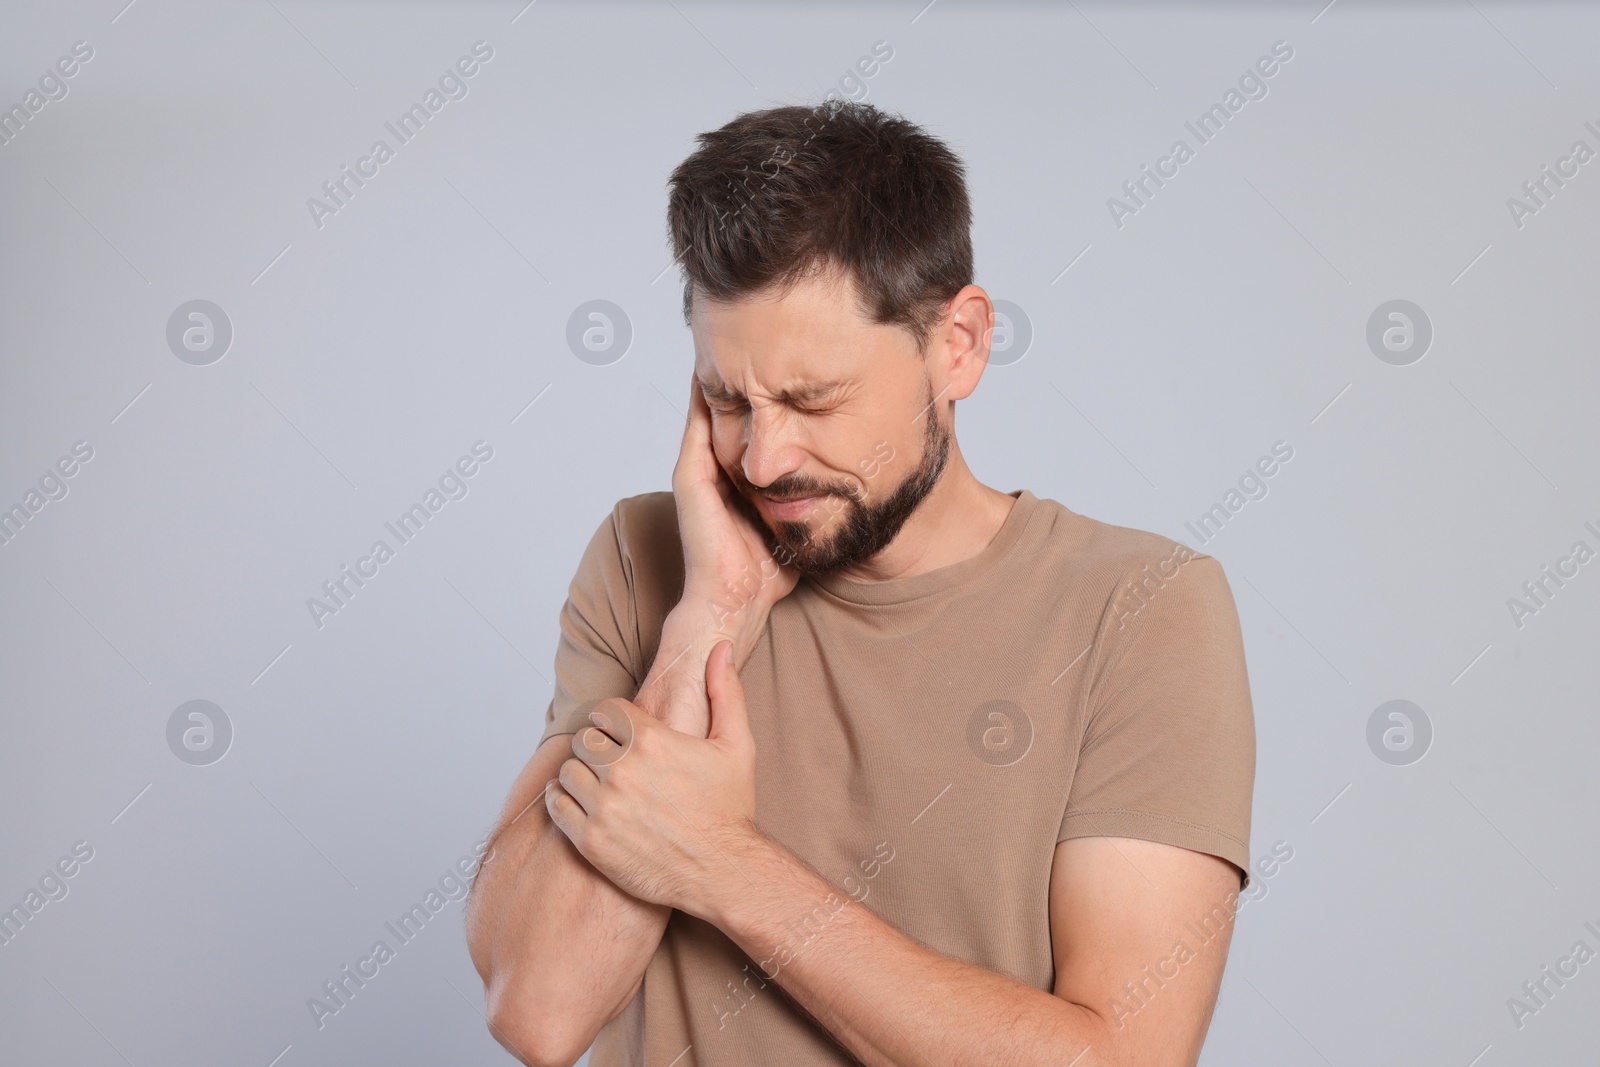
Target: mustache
<point>785,489</point>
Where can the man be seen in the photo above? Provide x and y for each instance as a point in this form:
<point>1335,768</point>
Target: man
<point>853,758</point>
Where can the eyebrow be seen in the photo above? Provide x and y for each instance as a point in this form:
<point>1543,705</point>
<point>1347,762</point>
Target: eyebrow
<point>800,394</point>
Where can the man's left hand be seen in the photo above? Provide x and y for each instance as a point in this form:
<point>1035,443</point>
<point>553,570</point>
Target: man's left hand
<point>666,816</point>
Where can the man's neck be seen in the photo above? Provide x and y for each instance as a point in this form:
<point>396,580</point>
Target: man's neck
<point>955,522</point>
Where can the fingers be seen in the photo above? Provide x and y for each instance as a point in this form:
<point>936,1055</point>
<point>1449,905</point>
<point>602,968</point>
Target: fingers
<point>699,410</point>
<point>609,738</point>
<point>596,748</point>
<point>720,675</point>
<point>725,691</point>
<point>696,429</point>
<point>580,783</point>
<point>565,812</point>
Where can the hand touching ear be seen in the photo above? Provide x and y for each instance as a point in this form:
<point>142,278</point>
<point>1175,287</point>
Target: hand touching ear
<point>731,579</point>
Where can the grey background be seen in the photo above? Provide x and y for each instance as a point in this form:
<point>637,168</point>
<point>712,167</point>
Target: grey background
<point>1229,313</point>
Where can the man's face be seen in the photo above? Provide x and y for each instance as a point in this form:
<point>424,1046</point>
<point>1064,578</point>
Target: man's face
<point>824,421</point>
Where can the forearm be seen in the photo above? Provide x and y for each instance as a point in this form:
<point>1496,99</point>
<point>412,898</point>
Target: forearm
<point>560,948</point>
<point>887,999</point>
<point>674,690</point>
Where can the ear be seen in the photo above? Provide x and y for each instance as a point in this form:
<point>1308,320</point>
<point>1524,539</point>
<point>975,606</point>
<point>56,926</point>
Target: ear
<point>967,337</point>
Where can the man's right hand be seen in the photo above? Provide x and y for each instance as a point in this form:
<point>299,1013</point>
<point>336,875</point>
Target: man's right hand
<point>563,951</point>
<point>727,564</point>
<point>731,580</point>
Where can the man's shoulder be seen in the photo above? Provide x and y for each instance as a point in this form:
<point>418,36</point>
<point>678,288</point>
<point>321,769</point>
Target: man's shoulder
<point>647,521</point>
<point>651,554</point>
<point>1092,546</point>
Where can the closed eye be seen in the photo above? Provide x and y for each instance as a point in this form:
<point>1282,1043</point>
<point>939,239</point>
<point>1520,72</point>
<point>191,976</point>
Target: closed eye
<point>734,408</point>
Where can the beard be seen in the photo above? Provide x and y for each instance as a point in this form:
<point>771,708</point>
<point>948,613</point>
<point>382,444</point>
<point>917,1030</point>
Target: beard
<point>861,528</point>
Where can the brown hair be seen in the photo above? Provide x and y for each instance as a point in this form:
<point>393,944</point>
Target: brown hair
<point>775,195</point>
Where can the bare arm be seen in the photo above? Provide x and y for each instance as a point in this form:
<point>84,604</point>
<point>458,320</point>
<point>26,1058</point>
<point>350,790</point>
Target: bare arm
<point>1135,985</point>
<point>560,948</point>
<point>1138,929</point>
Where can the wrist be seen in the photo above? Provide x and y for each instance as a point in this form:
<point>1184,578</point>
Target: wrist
<point>736,902</point>
<point>674,691</point>
<point>775,906</point>
<point>700,620</point>
<point>738,614</point>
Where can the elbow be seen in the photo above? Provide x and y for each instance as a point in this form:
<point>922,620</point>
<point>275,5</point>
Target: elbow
<point>518,1016</point>
<point>534,1037</point>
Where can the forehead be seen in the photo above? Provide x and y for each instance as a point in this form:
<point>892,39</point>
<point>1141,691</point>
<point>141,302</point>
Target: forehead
<point>791,342</point>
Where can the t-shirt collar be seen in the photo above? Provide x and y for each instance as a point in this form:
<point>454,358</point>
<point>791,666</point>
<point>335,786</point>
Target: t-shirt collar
<point>941,579</point>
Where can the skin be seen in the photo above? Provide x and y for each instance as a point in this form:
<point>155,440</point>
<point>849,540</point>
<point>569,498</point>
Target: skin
<point>652,808</point>
<point>671,819</point>
<point>749,354</point>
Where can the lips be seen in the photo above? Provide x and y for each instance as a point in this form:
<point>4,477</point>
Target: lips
<point>792,508</point>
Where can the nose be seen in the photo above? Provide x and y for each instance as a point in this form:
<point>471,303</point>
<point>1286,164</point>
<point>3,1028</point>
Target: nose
<point>770,449</point>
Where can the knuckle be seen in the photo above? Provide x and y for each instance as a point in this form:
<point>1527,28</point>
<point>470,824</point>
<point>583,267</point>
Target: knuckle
<point>619,776</point>
<point>591,739</point>
<point>615,706</point>
<point>552,803</point>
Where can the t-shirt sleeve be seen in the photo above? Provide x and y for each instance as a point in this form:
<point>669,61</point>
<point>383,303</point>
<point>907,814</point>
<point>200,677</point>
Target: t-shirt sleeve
<point>1168,752</point>
<point>598,653</point>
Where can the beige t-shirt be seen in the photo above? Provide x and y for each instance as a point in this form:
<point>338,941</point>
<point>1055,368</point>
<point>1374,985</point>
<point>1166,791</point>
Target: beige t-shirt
<point>924,743</point>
